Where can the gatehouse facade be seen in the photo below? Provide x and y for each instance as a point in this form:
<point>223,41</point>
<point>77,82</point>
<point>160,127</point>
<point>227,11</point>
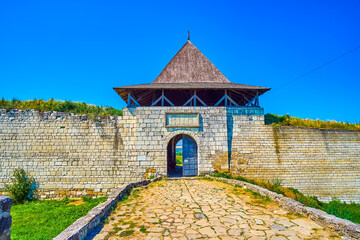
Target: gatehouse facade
<point>193,101</point>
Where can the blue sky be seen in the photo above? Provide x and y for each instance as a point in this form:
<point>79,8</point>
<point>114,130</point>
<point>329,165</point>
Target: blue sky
<point>79,50</point>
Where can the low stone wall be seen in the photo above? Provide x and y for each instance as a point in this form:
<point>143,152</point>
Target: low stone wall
<point>79,229</point>
<point>5,218</point>
<point>342,226</point>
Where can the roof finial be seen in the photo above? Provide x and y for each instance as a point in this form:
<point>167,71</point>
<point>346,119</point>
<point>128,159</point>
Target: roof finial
<point>188,35</point>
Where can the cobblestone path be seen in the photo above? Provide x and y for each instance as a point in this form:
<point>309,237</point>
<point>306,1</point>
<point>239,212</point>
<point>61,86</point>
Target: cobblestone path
<point>203,209</point>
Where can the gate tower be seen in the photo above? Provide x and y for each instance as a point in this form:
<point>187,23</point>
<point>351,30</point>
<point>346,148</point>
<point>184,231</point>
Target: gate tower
<point>190,100</point>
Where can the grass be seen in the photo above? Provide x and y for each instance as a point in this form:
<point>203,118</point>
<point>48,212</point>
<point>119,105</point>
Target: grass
<point>179,159</point>
<point>45,219</point>
<point>60,106</point>
<point>126,233</point>
<point>143,229</point>
<point>286,120</point>
<point>350,211</point>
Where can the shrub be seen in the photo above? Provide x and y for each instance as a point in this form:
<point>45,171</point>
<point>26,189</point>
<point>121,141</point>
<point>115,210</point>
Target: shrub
<point>22,188</point>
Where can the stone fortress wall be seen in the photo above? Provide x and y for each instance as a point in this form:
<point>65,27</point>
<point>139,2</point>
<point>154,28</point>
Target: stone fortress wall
<point>73,155</point>
<point>319,162</point>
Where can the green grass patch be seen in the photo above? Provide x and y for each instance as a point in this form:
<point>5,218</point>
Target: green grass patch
<point>45,219</point>
<point>143,229</point>
<point>126,233</point>
<point>60,106</point>
<point>179,159</point>
<point>135,193</point>
<point>286,120</point>
<point>350,211</point>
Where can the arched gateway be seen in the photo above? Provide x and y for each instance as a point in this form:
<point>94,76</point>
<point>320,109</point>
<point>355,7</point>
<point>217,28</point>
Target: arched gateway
<point>189,166</point>
<point>189,100</point>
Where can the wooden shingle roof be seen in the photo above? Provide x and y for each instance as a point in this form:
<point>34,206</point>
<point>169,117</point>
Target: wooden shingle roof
<point>189,65</point>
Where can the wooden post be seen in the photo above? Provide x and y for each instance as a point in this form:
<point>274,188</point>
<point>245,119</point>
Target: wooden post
<point>226,99</point>
<point>162,97</point>
<point>195,97</point>
<point>128,100</point>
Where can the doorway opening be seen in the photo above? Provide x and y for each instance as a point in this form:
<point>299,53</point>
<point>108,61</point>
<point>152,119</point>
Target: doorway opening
<point>182,156</point>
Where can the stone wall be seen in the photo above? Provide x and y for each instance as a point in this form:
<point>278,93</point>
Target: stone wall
<point>320,162</point>
<point>68,155</point>
<point>71,155</point>
<point>5,218</point>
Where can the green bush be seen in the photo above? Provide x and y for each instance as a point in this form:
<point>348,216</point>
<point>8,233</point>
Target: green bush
<point>22,187</point>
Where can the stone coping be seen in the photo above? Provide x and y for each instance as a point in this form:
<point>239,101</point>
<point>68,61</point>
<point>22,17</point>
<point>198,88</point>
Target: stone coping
<point>81,227</point>
<point>339,225</point>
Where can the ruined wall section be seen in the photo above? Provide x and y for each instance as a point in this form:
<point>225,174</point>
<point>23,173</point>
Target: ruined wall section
<point>68,155</point>
<point>320,162</point>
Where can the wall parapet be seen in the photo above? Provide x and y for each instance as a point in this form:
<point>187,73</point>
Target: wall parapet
<point>343,226</point>
<point>5,217</point>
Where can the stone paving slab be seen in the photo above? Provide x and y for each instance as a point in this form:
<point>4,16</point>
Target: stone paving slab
<point>203,209</point>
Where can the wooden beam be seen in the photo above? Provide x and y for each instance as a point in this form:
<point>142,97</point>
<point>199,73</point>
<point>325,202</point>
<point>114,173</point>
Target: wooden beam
<point>252,102</point>
<point>168,101</point>
<point>128,100</point>
<point>135,102</point>
<point>195,97</point>
<point>162,97</point>
<point>201,101</point>
<point>226,98</point>
<point>156,101</point>
<point>221,99</point>
<point>188,101</point>
<point>232,101</point>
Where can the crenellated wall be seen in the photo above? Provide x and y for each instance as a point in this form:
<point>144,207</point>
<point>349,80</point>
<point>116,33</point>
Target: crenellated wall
<point>71,155</point>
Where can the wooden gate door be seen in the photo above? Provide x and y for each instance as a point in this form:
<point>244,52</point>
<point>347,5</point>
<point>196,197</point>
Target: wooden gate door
<point>190,165</point>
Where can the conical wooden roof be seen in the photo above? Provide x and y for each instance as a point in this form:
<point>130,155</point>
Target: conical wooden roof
<point>189,65</point>
<point>187,71</point>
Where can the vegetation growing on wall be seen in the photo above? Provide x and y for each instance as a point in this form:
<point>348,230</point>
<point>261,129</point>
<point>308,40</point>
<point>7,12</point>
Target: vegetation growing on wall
<point>286,120</point>
<point>350,211</point>
<point>60,106</point>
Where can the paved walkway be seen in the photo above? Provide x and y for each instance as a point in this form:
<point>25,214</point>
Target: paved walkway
<point>203,209</point>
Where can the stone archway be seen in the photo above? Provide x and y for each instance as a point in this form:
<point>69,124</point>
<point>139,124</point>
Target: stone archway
<point>189,153</point>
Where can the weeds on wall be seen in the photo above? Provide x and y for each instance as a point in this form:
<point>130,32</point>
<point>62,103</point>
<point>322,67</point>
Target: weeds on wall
<point>350,211</point>
<point>60,106</point>
<point>22,187</point>
<point>286,120</point>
